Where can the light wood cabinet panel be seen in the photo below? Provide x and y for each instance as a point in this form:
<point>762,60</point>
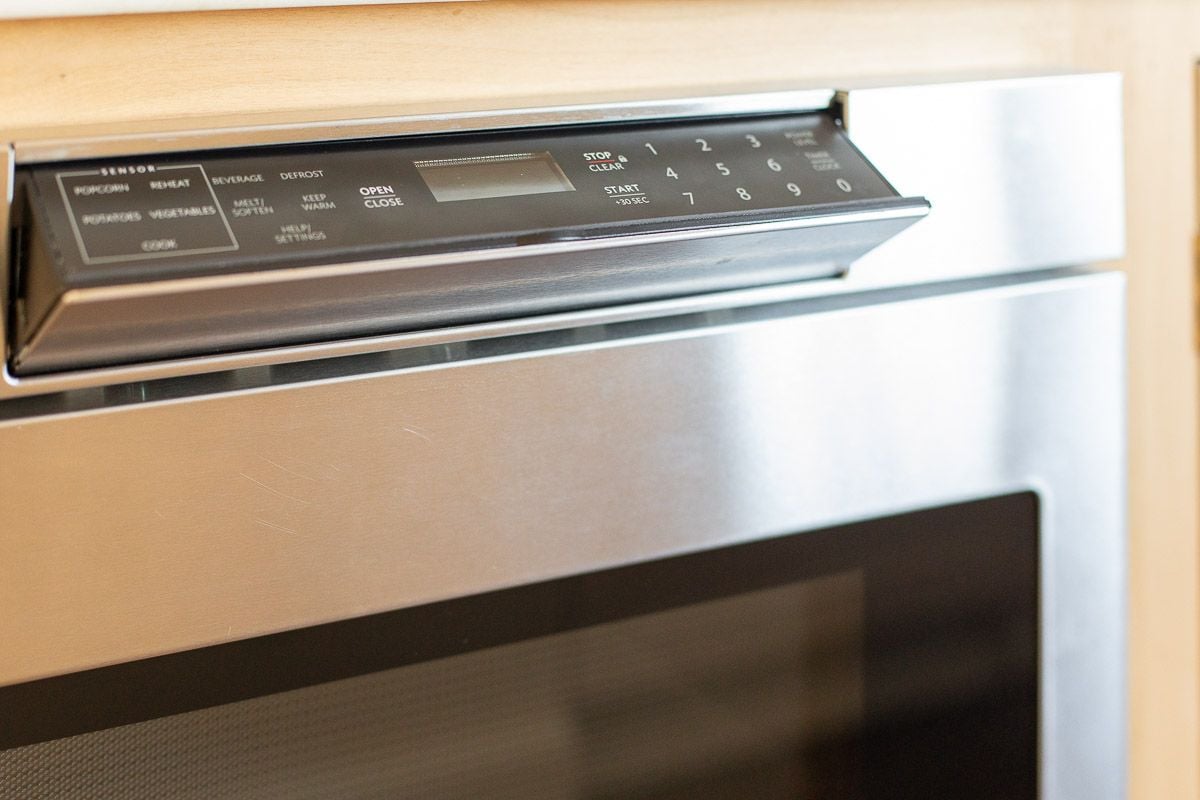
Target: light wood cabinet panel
<point>89,70</point>
<point>99,69</point>
<point>1155,45</point>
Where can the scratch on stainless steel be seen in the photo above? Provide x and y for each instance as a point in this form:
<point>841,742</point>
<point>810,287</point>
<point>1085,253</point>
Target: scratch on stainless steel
<point>242,135</point>
<point>162,526</point>
<point>1022,173</point>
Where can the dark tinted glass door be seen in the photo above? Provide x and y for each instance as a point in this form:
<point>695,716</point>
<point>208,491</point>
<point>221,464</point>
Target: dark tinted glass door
<point>895,658</point>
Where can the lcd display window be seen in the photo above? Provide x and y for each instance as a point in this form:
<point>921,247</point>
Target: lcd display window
<point>507,175</point>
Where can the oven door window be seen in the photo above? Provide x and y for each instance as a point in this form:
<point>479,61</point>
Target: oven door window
<point>894,658</point>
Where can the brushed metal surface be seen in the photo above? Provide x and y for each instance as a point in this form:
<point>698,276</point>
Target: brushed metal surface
<point>1058,199</point>
<point>159,526</point>
<point>1022,172</point>
<point>70,384</point>
<point>141,527</point>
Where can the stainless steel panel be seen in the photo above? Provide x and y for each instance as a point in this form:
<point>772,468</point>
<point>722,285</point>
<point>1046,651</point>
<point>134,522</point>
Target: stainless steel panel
<point>1023,173</point>
<point>1058,199</point>
<point>71,383</point>
<point>159,526</point>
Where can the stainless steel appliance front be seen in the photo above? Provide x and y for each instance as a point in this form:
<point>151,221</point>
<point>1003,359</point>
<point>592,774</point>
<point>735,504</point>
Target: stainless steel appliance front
<point>231,498</point>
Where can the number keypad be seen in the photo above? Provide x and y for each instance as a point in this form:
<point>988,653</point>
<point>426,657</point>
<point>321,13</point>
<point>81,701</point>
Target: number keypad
<point>756,165</point>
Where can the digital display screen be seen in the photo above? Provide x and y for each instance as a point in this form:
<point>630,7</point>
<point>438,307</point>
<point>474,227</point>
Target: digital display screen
<point>506,175</point>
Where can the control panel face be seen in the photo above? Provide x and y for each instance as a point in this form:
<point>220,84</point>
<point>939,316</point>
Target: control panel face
<point>159,217</point>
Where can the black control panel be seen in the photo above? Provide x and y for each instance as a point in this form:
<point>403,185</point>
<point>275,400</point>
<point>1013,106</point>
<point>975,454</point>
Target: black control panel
<point>138,219</point>
<point>152,257</point>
